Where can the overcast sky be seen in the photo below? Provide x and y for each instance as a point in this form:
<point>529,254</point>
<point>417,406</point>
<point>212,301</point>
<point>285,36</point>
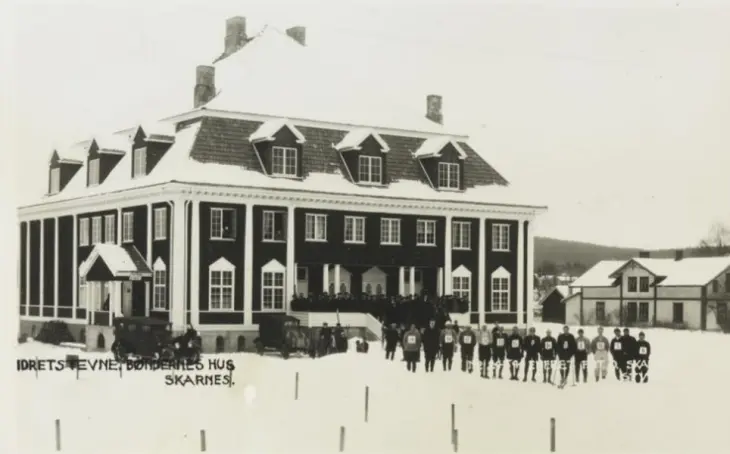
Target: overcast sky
<point>616,113</point>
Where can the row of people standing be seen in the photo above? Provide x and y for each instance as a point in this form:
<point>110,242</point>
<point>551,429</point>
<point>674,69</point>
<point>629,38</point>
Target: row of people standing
<point>495,348</point>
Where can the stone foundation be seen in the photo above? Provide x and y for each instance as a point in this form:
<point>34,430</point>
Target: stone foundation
<point>228,341</point>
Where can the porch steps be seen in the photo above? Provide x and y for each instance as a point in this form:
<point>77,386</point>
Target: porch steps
<point>353,320</point>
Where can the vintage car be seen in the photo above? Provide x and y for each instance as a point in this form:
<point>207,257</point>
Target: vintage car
<point>149,338</point>
<point>282,333</point>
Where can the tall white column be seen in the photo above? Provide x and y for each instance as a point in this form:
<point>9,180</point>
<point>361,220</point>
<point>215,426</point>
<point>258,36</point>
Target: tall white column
<point>482,271</point>
<point>337,278</point>
<point>119,226</point>
<point>448,281</point>
<point>75,267</point>
<point>41,271</point>
<point>177,283</point>
<point>440,282</point>
<point>325,278</point>
<point>147,285</point>
<point>412,281</point>
<point>520,273</point>
<point>248,265</point>
<point>401,281</point>
<point>195,266</point>
<point>116,289</point>
<point>530,271</point>
<point>291,271</point>
<point>27,267</point>
<point>55,267</point>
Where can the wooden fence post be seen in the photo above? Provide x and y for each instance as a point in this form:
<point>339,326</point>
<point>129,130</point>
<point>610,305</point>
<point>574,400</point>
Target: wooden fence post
<point>58,435</point>
<point>202,441</point>
<point>342,438</point>
<point>296,386</point>
<point>455,441</point>
<point>367,402</point>
<point>552,434</point>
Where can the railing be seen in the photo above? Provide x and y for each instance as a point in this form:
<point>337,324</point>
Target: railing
<point>377,307</point>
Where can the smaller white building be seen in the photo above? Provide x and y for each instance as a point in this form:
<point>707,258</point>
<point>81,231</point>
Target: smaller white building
<point>691,293</point>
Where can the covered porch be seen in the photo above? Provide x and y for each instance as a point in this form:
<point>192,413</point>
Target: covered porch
<point>116,281</point>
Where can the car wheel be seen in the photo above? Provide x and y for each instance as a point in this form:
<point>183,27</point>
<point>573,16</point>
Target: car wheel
<point>259,347</point>
<point>285,351</point>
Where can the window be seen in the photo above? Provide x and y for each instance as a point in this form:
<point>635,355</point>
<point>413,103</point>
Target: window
<point>354,229</point>
<point>368,289</point>
<point>370,169</point>
<point>160,224</point>
<point>500,237</point>
<point>644,284</point>
<point>93,172</point>
<point>82,293</point>
<point>159,282</point>
<point>721,313</point>
<point>461,235</point>
<point>715,286</point>
<point>644,312</point>
<point>140,163</point>
<point>631,312</point>
<point>632,284</point>
<point>110,229</point>
<point>448,175</point>
<point>96,230</point>
<point>284,161</point>
<point>600,311</point>
<point>222,224</point>
<point>127,227</point>
<point>55,181</point>
<point>273,287</point>
<point>274,226</point>
<point>678,313</point>
<point>84,232</point>
<point>390,231</point>
<point>425,233</point>
<point>462,287</point>
<point>315,227</point>
<point>221,285</point>
<point>302,274</point>
<point>379,289</point>
<point>500,294</point>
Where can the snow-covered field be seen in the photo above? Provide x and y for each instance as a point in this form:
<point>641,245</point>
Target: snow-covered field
<point>682,409</point>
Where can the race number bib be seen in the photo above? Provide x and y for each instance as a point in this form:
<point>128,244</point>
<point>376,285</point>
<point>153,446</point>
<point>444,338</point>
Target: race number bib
<point>448,339</point>
<point>565,345</point>
<point>467,339</point>
<point>515,343</point>
<point>581,345</point>
<point>642,350</point>
<point>600,346</point>
<point>411,339</point>
<point>500,342</point>
<point>617,346</point>
<point>548,345</point>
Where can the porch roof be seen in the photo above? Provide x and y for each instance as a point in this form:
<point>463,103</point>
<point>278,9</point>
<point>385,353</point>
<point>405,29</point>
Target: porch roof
<point>114,262</point>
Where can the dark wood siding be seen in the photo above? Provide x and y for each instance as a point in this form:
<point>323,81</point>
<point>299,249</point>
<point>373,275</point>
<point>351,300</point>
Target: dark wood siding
<point>23,261</point>
<point>139,239</point>
<point>82,252</point>
<point>264,252</point>
<point>67,172</point>
<point>372,253</point>
<point>35,263</point>
<point>65,266</point>
<point>233,251</point>
<point>188,244</point>
<point>155,152</point>
<point>470,260</point>
<point>553,309</point>
<point>161,250</point>
<point>496,259</point>
<point>49,226</point>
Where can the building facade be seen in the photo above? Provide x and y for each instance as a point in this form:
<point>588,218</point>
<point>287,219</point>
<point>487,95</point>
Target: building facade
<point>213,217</point>
<point>691,293</point>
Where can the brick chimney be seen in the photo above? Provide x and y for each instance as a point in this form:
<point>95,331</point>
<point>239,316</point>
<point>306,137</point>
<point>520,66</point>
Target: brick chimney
<point>235,34</point>
<point>299,34</point>
<point>433,109</point>
<point>644,254</point>
<point>204,85</point>
<point>679,254</point>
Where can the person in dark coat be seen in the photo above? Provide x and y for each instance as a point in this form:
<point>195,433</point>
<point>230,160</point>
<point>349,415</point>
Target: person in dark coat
<point>643,352</point>
<point>531,346</point>
<point>448,345</point>
<point>617,352</point>
<point>566,350</point>
<point>514,353</point>
<point>485,351</point>
<point>467,341</point>
<point>430,345</point>
<point>392,339</point>
<point>629,343</point>
<point>582,348</point>
<point>325,339</point>
<point>547,356</point>
<point>340,339</point>
<point>412,348</point>
<point>499,347</point>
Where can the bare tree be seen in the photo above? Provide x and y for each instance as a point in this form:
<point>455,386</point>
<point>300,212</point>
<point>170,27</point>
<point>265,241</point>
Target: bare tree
<point>717,241</point>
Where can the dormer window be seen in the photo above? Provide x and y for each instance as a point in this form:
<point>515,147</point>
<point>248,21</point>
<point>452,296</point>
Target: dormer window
<point>449,175</point>
<point>140,163</point>
<point>370,169</point>
<point>284,161</point>
<point>55,186</point>
<point>93,172</point>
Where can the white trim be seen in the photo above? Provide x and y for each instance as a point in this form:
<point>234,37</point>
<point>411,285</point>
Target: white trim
<point>448,166</point>
<point>426,223</point>
<point>42,268</point>
<point>520,273</point>
<point>370,174</point>
<point>195,264</point>
<point>205,112</point>
<point>222,264</point>
<point>262,133</point>
<point>481,269</point>
<point>286,158</point>
<point>461,226</point>
<point>311,235</point>
<point>160,228</point>
<point>501,272</point>
<point>356,221</point>
<point>389,237</point>
<point>273,266</point>
<point>248,243</point>
<point>39,318</point>
<point>434,147</point>
<point>461,271</point>
<point>353,140</point>
<point>55,267</point>
<point>530,271</point>
<point>498,230</point>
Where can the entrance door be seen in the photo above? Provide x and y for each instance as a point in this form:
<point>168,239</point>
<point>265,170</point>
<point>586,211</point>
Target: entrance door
<point>127,298</point>
<point>631,312</point>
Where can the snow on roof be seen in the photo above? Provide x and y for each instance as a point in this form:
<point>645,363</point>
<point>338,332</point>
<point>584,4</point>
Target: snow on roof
<point>159,128</point>
<point>114,256</point>
<point>274,75</point>
<point>354,139</point>
<point>434,146</point>
<point>563,289</point>
<point>113,142</point>
<point>658,267</point>
<point>75,152</point>
<point>268,129</point>
<point>599,274</point>
<point>694,271</point>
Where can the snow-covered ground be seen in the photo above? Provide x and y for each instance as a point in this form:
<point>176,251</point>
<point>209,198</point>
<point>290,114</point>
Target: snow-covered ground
<point>682,409</point>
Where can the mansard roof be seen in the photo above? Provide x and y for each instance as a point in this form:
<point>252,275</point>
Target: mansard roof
<point>433,147</point>
<point>268,129</point>
<point>355,138</point>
